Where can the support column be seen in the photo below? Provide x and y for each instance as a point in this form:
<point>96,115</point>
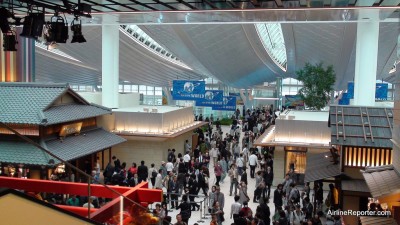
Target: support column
<point>366,60</point>
<point>110,65</point>
<point>278,103</point>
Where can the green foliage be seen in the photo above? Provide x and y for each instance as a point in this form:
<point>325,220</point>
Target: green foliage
<point>317,84</point>
<point>226,121</point>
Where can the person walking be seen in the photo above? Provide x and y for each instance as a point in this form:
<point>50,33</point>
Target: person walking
<point>233,175</point>
<point>268,179</point>
<point>142,172</point>
<point>253,159</point>
<point>185,212</point>
<point>218,172</point>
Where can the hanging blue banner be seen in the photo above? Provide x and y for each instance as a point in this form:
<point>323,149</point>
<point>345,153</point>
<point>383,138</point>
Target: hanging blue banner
<point>350,90</point>
<point>381,91</point>
<point>229,104</point>
<point>345,100</point>
<point>188,89</point>
<point>211,98</point>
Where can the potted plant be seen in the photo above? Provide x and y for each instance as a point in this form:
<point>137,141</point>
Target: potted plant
<point>317,85</point>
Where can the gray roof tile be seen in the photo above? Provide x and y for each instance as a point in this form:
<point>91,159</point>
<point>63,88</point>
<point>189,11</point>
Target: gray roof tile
<point>71,112</point>
<point>382,180</point>
<point>353,130</point>
<point>355,185</point>
<point>30,103</point>
<point>20,103</point>
<point>318,167</point>
<point>86,143</point>
<point>17,152</point>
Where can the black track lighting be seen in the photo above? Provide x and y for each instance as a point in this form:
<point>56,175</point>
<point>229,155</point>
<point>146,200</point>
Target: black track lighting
<point>4,24</point>
<point>33,25</point>
<point>9,41</point>
<point>56,30</point>
<point>77,29</point>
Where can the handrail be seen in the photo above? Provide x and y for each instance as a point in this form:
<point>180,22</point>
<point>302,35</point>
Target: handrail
<point>73,167</point>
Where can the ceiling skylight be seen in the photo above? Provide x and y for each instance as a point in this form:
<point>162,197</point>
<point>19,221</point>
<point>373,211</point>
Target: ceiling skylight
<point>272,38</point>
<point>54,50</point>
<point>139,36</point>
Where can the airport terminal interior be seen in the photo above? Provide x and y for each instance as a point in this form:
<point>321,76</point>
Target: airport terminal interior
<point>248,112</point>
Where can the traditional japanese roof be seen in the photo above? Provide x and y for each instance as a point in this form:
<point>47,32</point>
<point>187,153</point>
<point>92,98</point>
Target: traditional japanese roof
<point>88,142</point>
<point>382,180</point>
<point>18,152</point>
<point>319,166</point>
<point>355,185</point>
<point>361,126</point>
<point>44,104</point>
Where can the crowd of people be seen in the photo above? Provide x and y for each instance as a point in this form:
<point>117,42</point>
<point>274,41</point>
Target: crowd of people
<point>220,159</point>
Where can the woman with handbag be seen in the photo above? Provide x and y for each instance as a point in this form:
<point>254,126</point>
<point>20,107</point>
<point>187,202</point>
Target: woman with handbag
<point>217,211</point>
<point>243,193</point>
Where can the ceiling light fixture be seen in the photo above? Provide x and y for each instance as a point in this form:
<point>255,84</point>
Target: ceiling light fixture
<point>77,29</point>
<point>9,41</point>
<point>4,24</point>
<point>56,30</point>
<point>33,25</point>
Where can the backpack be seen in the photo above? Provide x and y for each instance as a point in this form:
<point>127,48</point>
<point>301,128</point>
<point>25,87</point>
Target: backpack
<point>154,174</point>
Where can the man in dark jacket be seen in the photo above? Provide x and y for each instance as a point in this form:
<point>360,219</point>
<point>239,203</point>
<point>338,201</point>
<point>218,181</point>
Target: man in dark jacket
<point>268,178</point>
<point>193,191</point>
<point>143,172</point>
<point>278,195</point>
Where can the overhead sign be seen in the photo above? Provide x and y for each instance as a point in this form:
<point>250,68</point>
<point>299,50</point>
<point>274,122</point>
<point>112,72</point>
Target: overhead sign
<point>381,91</point>
<point>69,129</point>
<point>229,104</point>
<point>239,100</point>
<point>211,98</point>
<point>188,89</point>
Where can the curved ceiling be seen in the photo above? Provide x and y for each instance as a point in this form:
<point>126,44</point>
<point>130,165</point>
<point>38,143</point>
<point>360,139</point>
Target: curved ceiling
<point>137,64</point>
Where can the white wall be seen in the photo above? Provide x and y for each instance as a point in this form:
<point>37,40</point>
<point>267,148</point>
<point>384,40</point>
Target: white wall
<point>129,100</point>
<point>125,100</point>
<point>151,150</point>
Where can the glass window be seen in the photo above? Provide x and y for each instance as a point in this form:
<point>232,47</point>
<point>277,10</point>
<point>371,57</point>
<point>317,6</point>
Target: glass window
<point>127,88</point>
<point>150,44</point>
<point>135,88</point>
<point>296,160</point>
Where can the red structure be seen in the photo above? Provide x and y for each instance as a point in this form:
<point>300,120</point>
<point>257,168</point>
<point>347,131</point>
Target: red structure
<point>139,193</point>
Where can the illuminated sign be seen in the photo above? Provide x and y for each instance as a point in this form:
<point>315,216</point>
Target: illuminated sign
<point>74,128</point>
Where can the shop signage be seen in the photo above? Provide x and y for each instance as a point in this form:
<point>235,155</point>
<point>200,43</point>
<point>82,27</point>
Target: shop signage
<point>69,129</point>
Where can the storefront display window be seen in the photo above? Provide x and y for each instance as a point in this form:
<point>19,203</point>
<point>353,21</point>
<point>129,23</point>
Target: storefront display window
<point>296,160</point>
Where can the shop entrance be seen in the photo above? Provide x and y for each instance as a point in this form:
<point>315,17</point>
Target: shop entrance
<point>295,159</point>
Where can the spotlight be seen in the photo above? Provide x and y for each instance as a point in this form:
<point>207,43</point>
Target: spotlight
<point>56,31</point>
<point>33,25</point>
<point>4,24</point>
<point>77,29</point>
<point>9,42</point>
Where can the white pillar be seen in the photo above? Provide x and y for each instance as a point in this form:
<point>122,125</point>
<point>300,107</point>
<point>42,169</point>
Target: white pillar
<point>366,60</point>
<point>110,65</point>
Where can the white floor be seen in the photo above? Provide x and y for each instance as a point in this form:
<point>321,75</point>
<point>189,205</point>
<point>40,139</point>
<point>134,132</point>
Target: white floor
<point>196,217</point>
